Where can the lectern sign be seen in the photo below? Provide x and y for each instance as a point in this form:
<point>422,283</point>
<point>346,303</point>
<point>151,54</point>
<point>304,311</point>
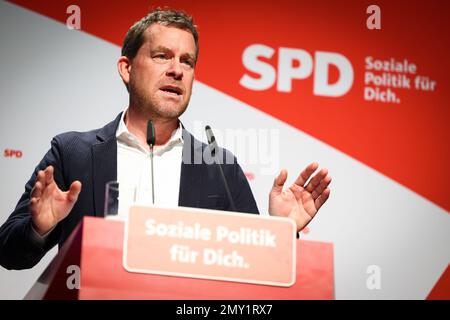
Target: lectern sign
<point>210,244</point>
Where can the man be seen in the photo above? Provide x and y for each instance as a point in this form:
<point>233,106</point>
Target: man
<point>157,65</point>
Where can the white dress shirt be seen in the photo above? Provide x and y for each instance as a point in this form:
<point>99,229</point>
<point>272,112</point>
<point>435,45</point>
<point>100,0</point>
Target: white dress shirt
<point>134,170</point>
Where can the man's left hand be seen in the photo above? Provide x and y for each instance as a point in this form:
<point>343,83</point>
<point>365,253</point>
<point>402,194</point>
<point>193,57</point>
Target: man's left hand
<point>300,202</point>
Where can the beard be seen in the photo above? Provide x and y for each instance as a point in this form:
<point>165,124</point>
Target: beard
<point>154,104</point>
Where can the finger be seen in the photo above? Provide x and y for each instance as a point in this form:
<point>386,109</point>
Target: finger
<point>36,192</point>
<point>74,191</point>
<point>41,177</point>
<point>315,181</point>
<point>34,203</point>
<point>279,181</point>
<point>49,175</point>
<point>306,173</point>
<point>324,183</point>
<point>297,191</point>
<point>322,199</point>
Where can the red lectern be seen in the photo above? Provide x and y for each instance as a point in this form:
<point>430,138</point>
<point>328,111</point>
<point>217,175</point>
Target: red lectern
<point>96,246</point>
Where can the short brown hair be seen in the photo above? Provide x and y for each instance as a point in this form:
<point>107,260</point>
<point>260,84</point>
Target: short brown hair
<point>166,17</point>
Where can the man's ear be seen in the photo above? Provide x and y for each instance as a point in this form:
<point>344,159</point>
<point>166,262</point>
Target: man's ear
<point>124,67</point>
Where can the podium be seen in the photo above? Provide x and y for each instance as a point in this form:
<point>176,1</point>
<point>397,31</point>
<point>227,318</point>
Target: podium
<point>95,249</point>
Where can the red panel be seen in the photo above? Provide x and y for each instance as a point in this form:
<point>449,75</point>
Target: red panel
<point>103,276</point>
<point>441,290</point>
<point>407,142</point>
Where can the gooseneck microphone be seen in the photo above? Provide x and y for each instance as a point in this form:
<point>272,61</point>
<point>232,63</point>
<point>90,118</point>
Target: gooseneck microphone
<point>214,148</point>
<point>151,138</point>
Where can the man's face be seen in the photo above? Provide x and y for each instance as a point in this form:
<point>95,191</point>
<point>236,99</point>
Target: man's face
<point>162,72</point>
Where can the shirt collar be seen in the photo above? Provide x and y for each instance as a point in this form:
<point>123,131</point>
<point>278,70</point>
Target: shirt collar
<point>126,137</point>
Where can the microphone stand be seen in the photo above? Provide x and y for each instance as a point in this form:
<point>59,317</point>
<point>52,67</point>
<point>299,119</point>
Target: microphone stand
<point>153,181</point>
<point>151,138</point>
<point>213,147</point>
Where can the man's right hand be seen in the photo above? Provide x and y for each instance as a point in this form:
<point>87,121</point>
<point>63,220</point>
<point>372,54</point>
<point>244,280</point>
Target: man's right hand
<point>49,205</point>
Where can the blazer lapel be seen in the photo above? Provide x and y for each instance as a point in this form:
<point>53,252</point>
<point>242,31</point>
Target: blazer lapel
<point>191,174</point>
<point>104,158</point>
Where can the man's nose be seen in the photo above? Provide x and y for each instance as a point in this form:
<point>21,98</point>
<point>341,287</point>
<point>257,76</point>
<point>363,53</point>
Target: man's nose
<point>174,70</point>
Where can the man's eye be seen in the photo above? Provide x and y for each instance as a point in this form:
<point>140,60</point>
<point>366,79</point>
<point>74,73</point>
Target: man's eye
<point>189,63</point>
<point>160,56</point>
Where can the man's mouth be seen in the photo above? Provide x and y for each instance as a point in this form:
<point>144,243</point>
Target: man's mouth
<point>173,90</point>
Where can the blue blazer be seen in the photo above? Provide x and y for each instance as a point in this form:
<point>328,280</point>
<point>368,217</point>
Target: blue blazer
<point>91,157</point>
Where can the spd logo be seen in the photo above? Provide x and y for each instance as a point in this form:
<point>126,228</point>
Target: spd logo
<point>296,64</point>
<point>10,153</point>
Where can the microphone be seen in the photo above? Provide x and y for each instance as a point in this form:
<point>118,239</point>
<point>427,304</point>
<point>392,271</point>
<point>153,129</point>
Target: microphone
<point>211,140</point>
<point>151,138</point>
<point>214,147</point>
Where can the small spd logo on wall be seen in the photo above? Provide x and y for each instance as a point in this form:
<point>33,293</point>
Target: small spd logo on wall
<point>10,153</point>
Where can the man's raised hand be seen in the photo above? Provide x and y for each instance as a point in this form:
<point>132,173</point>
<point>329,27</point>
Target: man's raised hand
<point>49,205</point>
<point>300,202</point>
